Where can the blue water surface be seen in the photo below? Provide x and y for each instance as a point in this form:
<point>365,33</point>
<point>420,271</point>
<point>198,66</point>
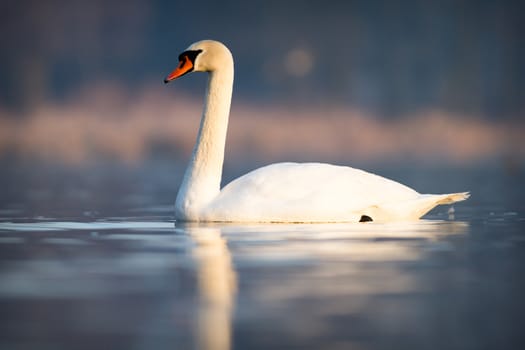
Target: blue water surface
<point>92,258</point>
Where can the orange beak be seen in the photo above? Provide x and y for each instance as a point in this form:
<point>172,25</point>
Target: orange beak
<point>185,66</point>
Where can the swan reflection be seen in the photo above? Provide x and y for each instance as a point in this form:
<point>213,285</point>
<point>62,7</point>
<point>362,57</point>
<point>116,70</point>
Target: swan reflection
<point>306,273</point>
<point>216,287</point>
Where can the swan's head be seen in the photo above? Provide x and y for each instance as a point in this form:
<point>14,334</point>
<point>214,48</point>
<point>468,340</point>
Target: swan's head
<point>202,56</point>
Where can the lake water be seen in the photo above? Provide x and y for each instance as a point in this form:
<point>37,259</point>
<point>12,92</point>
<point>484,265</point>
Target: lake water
<point>91,258</point>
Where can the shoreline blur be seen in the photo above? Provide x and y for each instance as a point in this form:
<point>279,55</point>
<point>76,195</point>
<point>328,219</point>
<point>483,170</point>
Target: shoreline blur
<point>104,122</point>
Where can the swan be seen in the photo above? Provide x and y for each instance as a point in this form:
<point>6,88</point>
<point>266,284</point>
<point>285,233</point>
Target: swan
<point>281,192</point>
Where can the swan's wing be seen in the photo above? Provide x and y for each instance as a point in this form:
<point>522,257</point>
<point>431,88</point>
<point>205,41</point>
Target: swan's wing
<point>304,192</point>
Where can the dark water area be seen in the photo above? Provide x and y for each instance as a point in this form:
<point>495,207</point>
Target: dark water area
<point>90,257</point>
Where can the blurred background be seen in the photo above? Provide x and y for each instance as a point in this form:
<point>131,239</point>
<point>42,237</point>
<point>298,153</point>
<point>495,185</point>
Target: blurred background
<point>342,81</point>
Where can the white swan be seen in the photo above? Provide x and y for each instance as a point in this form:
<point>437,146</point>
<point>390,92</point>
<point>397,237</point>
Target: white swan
<point>283,192</point>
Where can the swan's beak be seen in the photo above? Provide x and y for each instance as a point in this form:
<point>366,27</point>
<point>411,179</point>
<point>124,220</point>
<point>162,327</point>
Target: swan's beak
<point>185,66</point>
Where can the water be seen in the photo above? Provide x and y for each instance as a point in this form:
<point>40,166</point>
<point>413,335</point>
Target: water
<point>91,258</point>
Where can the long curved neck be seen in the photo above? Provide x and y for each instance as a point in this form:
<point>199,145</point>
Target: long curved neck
<point>202,179</point>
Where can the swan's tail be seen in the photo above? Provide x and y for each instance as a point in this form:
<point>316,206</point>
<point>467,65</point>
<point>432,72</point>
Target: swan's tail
<point>413,209</point>
<point>426,202</point>
<point>451,198</point>
<point>430,201</point>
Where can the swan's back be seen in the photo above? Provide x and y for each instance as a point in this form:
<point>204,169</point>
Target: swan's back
<point>306,192</point>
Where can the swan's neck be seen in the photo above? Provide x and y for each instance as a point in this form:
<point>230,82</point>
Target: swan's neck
<point>201,183</point>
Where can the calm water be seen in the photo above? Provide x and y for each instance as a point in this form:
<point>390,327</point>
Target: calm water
<point>90,258</point>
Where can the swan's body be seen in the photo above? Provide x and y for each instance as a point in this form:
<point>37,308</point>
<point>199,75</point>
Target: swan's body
<point>283,192</point>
